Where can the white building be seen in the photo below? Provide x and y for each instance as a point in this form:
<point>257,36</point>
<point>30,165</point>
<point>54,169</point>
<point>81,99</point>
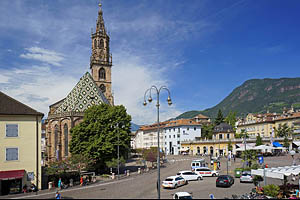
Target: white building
<point>178,131</point>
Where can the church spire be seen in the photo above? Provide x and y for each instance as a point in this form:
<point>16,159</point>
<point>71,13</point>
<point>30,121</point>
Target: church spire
<point>100,22</point>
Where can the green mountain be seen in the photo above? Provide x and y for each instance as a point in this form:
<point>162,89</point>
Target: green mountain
<point>257,96</point>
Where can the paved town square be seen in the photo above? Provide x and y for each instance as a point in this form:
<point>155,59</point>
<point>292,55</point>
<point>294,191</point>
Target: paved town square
<point>144,186</point>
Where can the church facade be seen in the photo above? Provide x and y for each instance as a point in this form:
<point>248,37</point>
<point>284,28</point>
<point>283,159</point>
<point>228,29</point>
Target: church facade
<point>92,89</point>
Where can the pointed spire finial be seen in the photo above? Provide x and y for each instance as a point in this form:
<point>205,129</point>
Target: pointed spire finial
<point>100,4</point>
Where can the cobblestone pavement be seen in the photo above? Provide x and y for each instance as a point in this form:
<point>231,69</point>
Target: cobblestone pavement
<point>144,186</point>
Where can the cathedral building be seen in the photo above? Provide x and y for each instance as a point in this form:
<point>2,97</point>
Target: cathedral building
<point>92,89</point>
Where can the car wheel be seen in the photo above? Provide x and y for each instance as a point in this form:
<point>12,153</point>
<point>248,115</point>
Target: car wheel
<point>199,178</point>
<point>186,182</point>
<point>175,186</point>
<point>214,175</point>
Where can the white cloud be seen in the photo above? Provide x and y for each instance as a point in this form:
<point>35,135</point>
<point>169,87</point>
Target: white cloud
<point>38,87</point>
<point>43,55</point>
<point>4,79</point>
<point>131,77</point>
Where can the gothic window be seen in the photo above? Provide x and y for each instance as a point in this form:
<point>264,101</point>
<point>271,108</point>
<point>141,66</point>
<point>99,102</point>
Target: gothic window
<point>66,140</point>
<point>55,137</point>
<point>102,88</point>
<point>102,74</point>
<point>101,44</point>
<point>95,44</point>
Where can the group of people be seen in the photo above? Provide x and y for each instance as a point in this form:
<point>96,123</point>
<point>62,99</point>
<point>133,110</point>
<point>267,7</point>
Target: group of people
<point>32,188</point>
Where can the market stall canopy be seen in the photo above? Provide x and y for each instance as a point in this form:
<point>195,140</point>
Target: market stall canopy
<point>248,147</point>
<point>11,175</point>
<point>264,148</point>
<point>297,143</point>
<point>277,172</point>
<point>276,144</point>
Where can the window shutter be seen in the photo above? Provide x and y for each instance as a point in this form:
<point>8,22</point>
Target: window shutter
<point>11,130</point>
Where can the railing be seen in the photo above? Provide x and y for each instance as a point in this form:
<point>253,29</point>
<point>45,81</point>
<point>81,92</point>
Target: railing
<point>235,140</point>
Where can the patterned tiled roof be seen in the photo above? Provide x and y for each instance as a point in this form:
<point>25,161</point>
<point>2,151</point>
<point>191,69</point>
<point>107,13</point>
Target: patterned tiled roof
<point>84,95</point>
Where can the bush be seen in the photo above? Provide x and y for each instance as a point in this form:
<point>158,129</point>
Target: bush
<point>271,190</point>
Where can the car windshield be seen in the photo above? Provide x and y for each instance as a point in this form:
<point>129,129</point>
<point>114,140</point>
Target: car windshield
<point>178,174</point>
<point>246,174</point>
<point>169,179</point>
<point>222,177</point>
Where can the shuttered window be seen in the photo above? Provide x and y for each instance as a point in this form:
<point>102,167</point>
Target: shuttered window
<point>12,154</point>
<point>12,130</point>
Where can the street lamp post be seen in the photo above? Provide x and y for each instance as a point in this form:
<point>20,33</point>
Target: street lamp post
<point>157,105</point>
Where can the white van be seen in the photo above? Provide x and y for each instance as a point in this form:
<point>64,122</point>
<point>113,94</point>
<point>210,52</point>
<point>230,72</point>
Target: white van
<point>197,164</point>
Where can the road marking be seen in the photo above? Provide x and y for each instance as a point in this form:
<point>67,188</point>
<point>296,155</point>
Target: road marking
<point>68,190</point>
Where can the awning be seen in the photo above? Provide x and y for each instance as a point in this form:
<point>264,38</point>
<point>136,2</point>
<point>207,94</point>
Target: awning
<point>297,143</point>
<point>278,172</point>
<point>276,144</point>
<point>13,174</point>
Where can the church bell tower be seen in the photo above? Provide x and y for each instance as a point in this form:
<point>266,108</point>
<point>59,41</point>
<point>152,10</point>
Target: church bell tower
<point>101,59</point>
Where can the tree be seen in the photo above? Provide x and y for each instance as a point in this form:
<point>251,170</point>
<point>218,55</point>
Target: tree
<point>231,119</point>
<point>249,157</point>
<point>114,162</point>
<point>283,130</point>
<point>286,142</point>
<point>219,118</point>
<point>230,146</point>
<point>97,137</point>
<point>258,140</point>
<point>207,131</point>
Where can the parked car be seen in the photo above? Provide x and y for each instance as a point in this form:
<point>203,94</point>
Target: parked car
<point>182,195</point>
<point>173,182</point>
<point>246,177</point>
<point>224,181</point>
<point>190,176</point>
<point>205,171</point>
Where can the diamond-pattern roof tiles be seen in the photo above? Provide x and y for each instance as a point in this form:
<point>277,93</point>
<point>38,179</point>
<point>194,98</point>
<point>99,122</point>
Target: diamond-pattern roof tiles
<point>85,94</point>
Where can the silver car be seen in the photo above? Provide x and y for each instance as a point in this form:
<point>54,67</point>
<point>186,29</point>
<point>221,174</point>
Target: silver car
<point>246,177</point>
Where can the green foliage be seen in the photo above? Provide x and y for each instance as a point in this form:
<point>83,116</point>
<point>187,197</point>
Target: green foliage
<point>242,134</point>
<point>249,156</point>
<point>114,162</point>
<point>103,128</point>
<point>230,146</point>
<point>258,140</point>
<point>271,190</point>
<point>219,118</point>
<point>283,130</point>
<point>257,96</point>
<point>231,119</point>
<point>207,131</point>
<point>286,142</point>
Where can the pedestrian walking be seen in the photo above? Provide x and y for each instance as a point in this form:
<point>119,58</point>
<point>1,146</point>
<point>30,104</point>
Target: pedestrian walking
<point>59,184</point>
<point>81,181</point>
<point>57,195</point>
<point>234,158</point>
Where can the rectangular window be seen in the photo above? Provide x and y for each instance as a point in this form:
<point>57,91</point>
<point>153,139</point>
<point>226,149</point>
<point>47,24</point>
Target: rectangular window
<point>12,130</point>
<point>178,142</point>
<point>220,136</point>
<point>178,130</point>
<point>228,136</point>
<point>195,128</point>
<point>178,135</point>
<point>169,136</point>
<point>174,136</point>
<point>12,154</point>
<point>188,128</point>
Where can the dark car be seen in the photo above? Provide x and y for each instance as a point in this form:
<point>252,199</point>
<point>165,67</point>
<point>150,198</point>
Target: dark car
<point>224,181</point>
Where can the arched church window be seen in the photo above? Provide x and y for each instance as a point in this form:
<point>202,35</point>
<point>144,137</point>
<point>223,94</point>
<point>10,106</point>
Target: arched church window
<point>101,44</point>
<point>55,137</point>
<point>66,140</point>
<point>102,88</point>
<point>102,74</point>
<point>95,43</point>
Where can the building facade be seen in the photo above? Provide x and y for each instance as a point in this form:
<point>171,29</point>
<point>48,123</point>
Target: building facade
<point>178,131</point>
<point>92,89</point>
<point>20,146</point>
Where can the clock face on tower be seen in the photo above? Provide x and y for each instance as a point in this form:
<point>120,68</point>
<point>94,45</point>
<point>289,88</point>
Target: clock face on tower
<point>102,88</point>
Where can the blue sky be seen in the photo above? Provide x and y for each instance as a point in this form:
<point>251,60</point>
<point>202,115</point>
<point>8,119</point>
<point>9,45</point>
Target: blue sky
<point>200,49</point>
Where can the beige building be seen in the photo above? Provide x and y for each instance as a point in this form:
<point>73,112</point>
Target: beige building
<point>20,145</point>
<point>92,89</point>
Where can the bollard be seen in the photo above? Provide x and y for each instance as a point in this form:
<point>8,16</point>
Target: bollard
<point>113,176</point>
<point>50,185</point>
<point>128,173</point>
<point>139,170</point>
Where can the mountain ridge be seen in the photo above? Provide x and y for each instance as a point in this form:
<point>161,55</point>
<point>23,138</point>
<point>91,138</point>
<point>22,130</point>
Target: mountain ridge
<point>256,96</point>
